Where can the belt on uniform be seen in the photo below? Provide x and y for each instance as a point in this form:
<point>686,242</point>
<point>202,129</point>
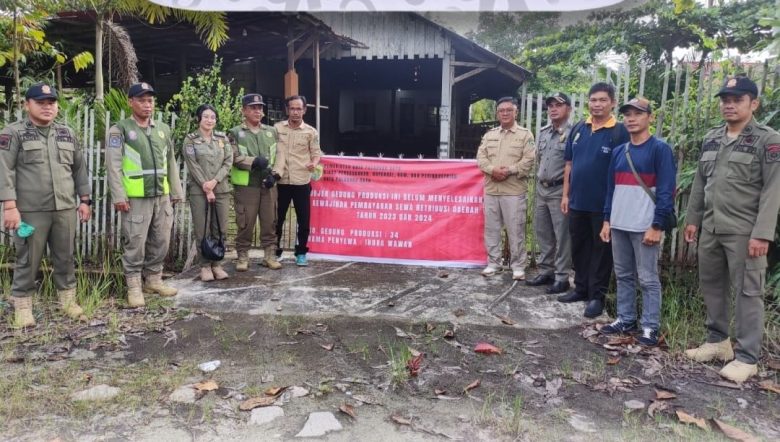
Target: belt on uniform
<point>555,183</point>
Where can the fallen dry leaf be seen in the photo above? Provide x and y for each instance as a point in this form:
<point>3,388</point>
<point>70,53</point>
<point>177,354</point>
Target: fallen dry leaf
<point>489,349</point>
<point>613,360</point>
<point>254,402</point>
<point>328,347</point>
<point>443,274</point>
<point>774,364</point>
<point>459,312</point>
<point>588,332</point>
<point>655,407</point>
<point>413,364</point>
<point>401,420</point>
<point>402,334</point>
<point>449,334</point>
<point>505,320</point>
<point>471,386</point>
<point>688,419</point>
<point>208,385</point>
<point>303,331</point>
<point>664,394</point>
<point>734,433</point>
<point>274,391</point>
<point>768,385</point>
<point>621,340</point>
<point>414,352</point>
<point>348,410</point>
<point>530,353</point>
<point>439,391</point>
<point>429,327</point>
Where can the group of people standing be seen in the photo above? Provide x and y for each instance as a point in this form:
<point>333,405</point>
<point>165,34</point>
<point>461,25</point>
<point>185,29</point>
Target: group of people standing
<point>43,178</point>
<point>605,195</point>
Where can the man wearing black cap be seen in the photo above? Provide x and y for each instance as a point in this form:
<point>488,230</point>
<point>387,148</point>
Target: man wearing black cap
<point>254,179</point>
<point>550,224</point>
<point>144,180</point>
<point>43,183</point>
<point>734,202</point>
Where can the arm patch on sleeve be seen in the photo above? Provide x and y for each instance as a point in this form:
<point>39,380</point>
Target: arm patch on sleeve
<point>772,153</point>
<point>114,140</point>
<point>5,141</point>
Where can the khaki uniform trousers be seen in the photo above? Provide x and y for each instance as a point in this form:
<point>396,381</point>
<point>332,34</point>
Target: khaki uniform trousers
<point>252,202</point>
<point>506,211</point>
<point>221,208</point>
<point>57,229</point>
<point>552,232</point>
<point>724,265</point>
<point>146,232</point>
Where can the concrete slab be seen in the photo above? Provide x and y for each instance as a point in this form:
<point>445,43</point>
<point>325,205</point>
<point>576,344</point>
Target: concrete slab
<point>328,288</point>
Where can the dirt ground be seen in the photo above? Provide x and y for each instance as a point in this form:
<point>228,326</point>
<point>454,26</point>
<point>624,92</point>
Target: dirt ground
<point>566,383</point>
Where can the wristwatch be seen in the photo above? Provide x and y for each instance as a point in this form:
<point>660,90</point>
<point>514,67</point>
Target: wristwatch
<point>87,202</point>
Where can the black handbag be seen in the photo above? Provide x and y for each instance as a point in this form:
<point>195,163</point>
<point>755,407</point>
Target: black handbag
<point>671,221</point>
<point>212,248</point>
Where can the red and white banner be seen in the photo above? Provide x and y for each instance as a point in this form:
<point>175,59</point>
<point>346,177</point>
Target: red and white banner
<point>421,212</point>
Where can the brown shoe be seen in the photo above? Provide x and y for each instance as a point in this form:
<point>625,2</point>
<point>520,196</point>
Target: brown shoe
<point>711,350</point>
<point>68,304</point>
<point>23,314</point>
<point>155,284</point>
<point>219,272</point>
<point>206,275</point>
<point>135,297</point>
<point>269,259</point>
<point>242,263</point>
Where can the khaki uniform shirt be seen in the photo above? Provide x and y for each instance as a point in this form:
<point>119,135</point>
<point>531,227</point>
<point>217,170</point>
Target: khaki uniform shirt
<point>736,190</point>
<point>513,148</point>
<point>296,147</point>
<point>208,160</point>
<point>41,172</point>
<point>114,172</point>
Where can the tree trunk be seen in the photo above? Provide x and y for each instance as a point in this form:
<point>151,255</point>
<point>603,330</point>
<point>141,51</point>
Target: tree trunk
<point>99,23</point>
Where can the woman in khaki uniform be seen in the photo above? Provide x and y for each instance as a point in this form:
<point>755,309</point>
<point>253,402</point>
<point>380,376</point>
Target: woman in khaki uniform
<point>208,156</point>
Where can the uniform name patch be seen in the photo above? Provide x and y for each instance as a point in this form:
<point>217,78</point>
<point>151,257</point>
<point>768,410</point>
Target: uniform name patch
<point>29,135</point>
<point>115,140</point>
<point>745,148</point>
<point>710,145</point>
<point>5,141</point>
<point>773,153</point>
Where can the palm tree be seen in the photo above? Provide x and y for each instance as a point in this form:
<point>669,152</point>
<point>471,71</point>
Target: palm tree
<point>212,27</point>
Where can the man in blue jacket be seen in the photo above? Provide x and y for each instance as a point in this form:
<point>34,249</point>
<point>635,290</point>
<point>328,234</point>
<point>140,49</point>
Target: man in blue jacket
<point>588,153</point>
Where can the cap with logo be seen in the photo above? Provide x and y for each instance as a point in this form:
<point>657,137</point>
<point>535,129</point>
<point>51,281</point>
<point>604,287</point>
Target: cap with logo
<point>252,100</point>
<point>40,91</point>
<point>639,103</point>
<point>559,97</point>
<point>139,89</point>
<point>738,85</point>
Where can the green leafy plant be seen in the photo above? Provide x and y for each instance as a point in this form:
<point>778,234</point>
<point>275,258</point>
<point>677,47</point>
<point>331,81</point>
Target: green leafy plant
<point>207,87</point>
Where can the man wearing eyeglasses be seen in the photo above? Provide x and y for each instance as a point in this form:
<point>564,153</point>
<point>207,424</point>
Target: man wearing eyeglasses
<point>505,157</point>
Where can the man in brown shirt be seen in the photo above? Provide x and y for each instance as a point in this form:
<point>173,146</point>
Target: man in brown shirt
<point>299,146</point>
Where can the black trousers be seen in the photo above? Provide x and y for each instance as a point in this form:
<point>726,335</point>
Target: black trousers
<point>300,197</point>
<point>591,257</point>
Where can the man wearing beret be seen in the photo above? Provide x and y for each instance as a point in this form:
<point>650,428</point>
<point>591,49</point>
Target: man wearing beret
<point>254,180</point>
<point>144,180</point>
<point>733,207</point>
<point>43,183</point>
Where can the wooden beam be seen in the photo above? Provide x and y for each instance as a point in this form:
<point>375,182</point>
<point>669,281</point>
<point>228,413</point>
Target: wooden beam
<point>304,47</point>
<point>469,64</point>
<point>317,85</point>
<point>447,72</point>
<point>468,74</point>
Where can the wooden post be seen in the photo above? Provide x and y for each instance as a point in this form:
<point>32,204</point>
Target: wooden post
<point>446,103</point>
<point>290,77</point>
<point>317,85</point>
